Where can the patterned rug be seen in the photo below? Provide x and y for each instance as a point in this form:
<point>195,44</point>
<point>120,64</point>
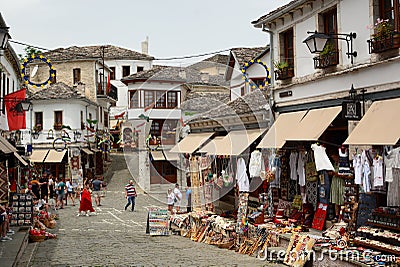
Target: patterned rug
<point>3,182</point>
<point>312,191</point>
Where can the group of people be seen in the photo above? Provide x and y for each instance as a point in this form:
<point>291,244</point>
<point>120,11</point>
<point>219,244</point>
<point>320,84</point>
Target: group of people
<point>174,199</point>
<point>58,192</point>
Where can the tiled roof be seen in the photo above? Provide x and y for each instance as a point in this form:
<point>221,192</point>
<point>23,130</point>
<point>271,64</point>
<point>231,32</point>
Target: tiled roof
<point>245,54</point>
<point>217,59</point>
<point>276,11</point>
<point>200,102</point>
<point>187,75</point>
<point>57,91</point>
<point>95,52</point>
<point>252,102</point>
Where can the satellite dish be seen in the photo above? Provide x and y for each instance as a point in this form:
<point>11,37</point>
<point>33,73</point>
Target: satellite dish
<point>34,71</point>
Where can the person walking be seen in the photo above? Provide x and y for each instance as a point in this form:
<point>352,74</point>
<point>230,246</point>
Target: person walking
<point>70,192</point>
<point>60,194</point>
<point>178,197</point>
<point>86,201</point>
<point>44,186</point>
<point>170,200</point>
<point>130,195</point>
<point>97,186</point>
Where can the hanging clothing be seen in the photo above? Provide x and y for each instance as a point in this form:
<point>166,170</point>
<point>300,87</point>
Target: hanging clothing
<point>241,176</point>
<point>337,190</point>
<point>322,161</point>
<point>344,164</point>
<point>366,171</point>
<point>393,195</point>
<point>256,164</point>
<point>378,171</point>
<point>301,172</point>
<point>392,160</point>
<point>357,166</point>
<point>324,188</point>
<point>275,165</point>
<point>293,165</point>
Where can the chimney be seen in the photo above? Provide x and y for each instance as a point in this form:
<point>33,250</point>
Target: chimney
<point>145,46</point>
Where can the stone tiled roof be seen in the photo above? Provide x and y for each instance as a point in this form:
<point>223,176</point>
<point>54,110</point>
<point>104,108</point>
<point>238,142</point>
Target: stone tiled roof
<point>57,91</point>
<point>200,102</point>
<point>94,52</point>
<point>217,59</point>
<point>187,75</point>
<point>245,54</point>
<point>252,102</point>
<point>276,11</point>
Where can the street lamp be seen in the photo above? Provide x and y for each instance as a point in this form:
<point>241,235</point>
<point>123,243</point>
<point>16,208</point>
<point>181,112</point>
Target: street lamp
<point>77,135</point>
<point>317,41</point>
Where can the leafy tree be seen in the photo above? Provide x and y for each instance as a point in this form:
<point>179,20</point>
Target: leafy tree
<point>29,51</point>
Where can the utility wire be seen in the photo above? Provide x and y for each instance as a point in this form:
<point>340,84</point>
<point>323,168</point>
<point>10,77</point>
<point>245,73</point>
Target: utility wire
<point>158,59</point>
<point>16,42</point>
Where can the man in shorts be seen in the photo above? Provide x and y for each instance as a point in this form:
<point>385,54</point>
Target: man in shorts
<point>97,185</point>
<point>61,193</point>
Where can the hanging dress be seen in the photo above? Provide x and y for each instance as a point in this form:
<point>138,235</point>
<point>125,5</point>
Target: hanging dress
<point>344,164</point>
<point>322,161</point>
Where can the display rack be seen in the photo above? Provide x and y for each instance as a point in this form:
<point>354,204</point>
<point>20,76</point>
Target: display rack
<point>351,204</point>
<point>22,210</point>
<point>157,222</point>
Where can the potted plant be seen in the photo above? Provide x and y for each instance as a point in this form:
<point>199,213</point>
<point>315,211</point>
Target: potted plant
<point>384,36</point>
<point>282,70</point>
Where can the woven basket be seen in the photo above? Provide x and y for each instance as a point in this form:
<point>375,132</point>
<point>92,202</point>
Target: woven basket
<point>37,238</point>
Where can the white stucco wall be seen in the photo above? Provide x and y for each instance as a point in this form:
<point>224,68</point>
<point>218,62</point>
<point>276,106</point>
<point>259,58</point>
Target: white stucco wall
<point>71,117</point>
<point>8,70</point>
<point>146,64</point>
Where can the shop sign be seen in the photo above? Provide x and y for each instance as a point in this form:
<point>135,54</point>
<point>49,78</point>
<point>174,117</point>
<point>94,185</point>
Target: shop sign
<point>351,110</point>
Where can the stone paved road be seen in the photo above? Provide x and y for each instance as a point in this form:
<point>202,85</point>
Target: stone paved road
<point>115,237</point>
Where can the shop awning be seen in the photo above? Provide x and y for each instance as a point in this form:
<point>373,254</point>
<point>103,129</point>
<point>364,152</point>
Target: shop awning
<point>38,155</point>
<point>212,146</point>
<point>379,126</point>
<point>234,143</point>
<point>18,156</point>
<point>55,156</point>
<point>159,155</point>
<point>87,151</point>
<point>280,130</point>
<point>314,124</point>
<point>191,142</point>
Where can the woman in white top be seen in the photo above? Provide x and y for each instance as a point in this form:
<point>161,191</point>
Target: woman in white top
<point>170,199</point>
<point>70,192</point>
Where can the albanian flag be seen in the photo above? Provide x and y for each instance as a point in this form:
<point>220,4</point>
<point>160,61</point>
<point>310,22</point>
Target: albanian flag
<point>15,116</point>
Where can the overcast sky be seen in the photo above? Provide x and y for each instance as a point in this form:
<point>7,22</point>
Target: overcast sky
<point>174,27</point>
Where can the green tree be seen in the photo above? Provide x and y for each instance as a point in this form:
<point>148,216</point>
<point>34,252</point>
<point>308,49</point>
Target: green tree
<point>29,51</point>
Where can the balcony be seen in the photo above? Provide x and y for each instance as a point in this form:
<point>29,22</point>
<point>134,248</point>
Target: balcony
<point>284,73</point>
<point>107,91</point>
<point>379,45</point>
<point>326,60</point>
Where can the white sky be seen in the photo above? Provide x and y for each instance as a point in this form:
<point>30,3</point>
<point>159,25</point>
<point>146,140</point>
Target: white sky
<point>174,27</point>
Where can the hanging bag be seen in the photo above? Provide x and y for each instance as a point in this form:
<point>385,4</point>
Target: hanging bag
<point>311,170</point>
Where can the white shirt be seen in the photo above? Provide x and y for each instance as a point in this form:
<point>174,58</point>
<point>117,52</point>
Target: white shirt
<point>241,176</point>
<point>170,198</point>
<point>322,161</point>
<point>300,168</point>
<point>293,165</point>
<point>178,193</point>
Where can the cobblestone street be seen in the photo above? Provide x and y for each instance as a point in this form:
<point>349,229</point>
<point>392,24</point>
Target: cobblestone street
<point>115,237</point>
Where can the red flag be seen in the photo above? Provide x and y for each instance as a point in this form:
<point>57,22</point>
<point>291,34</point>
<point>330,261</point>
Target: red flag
<point>119,116</point>
<point>16,119</point>
<point>108,84</point>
